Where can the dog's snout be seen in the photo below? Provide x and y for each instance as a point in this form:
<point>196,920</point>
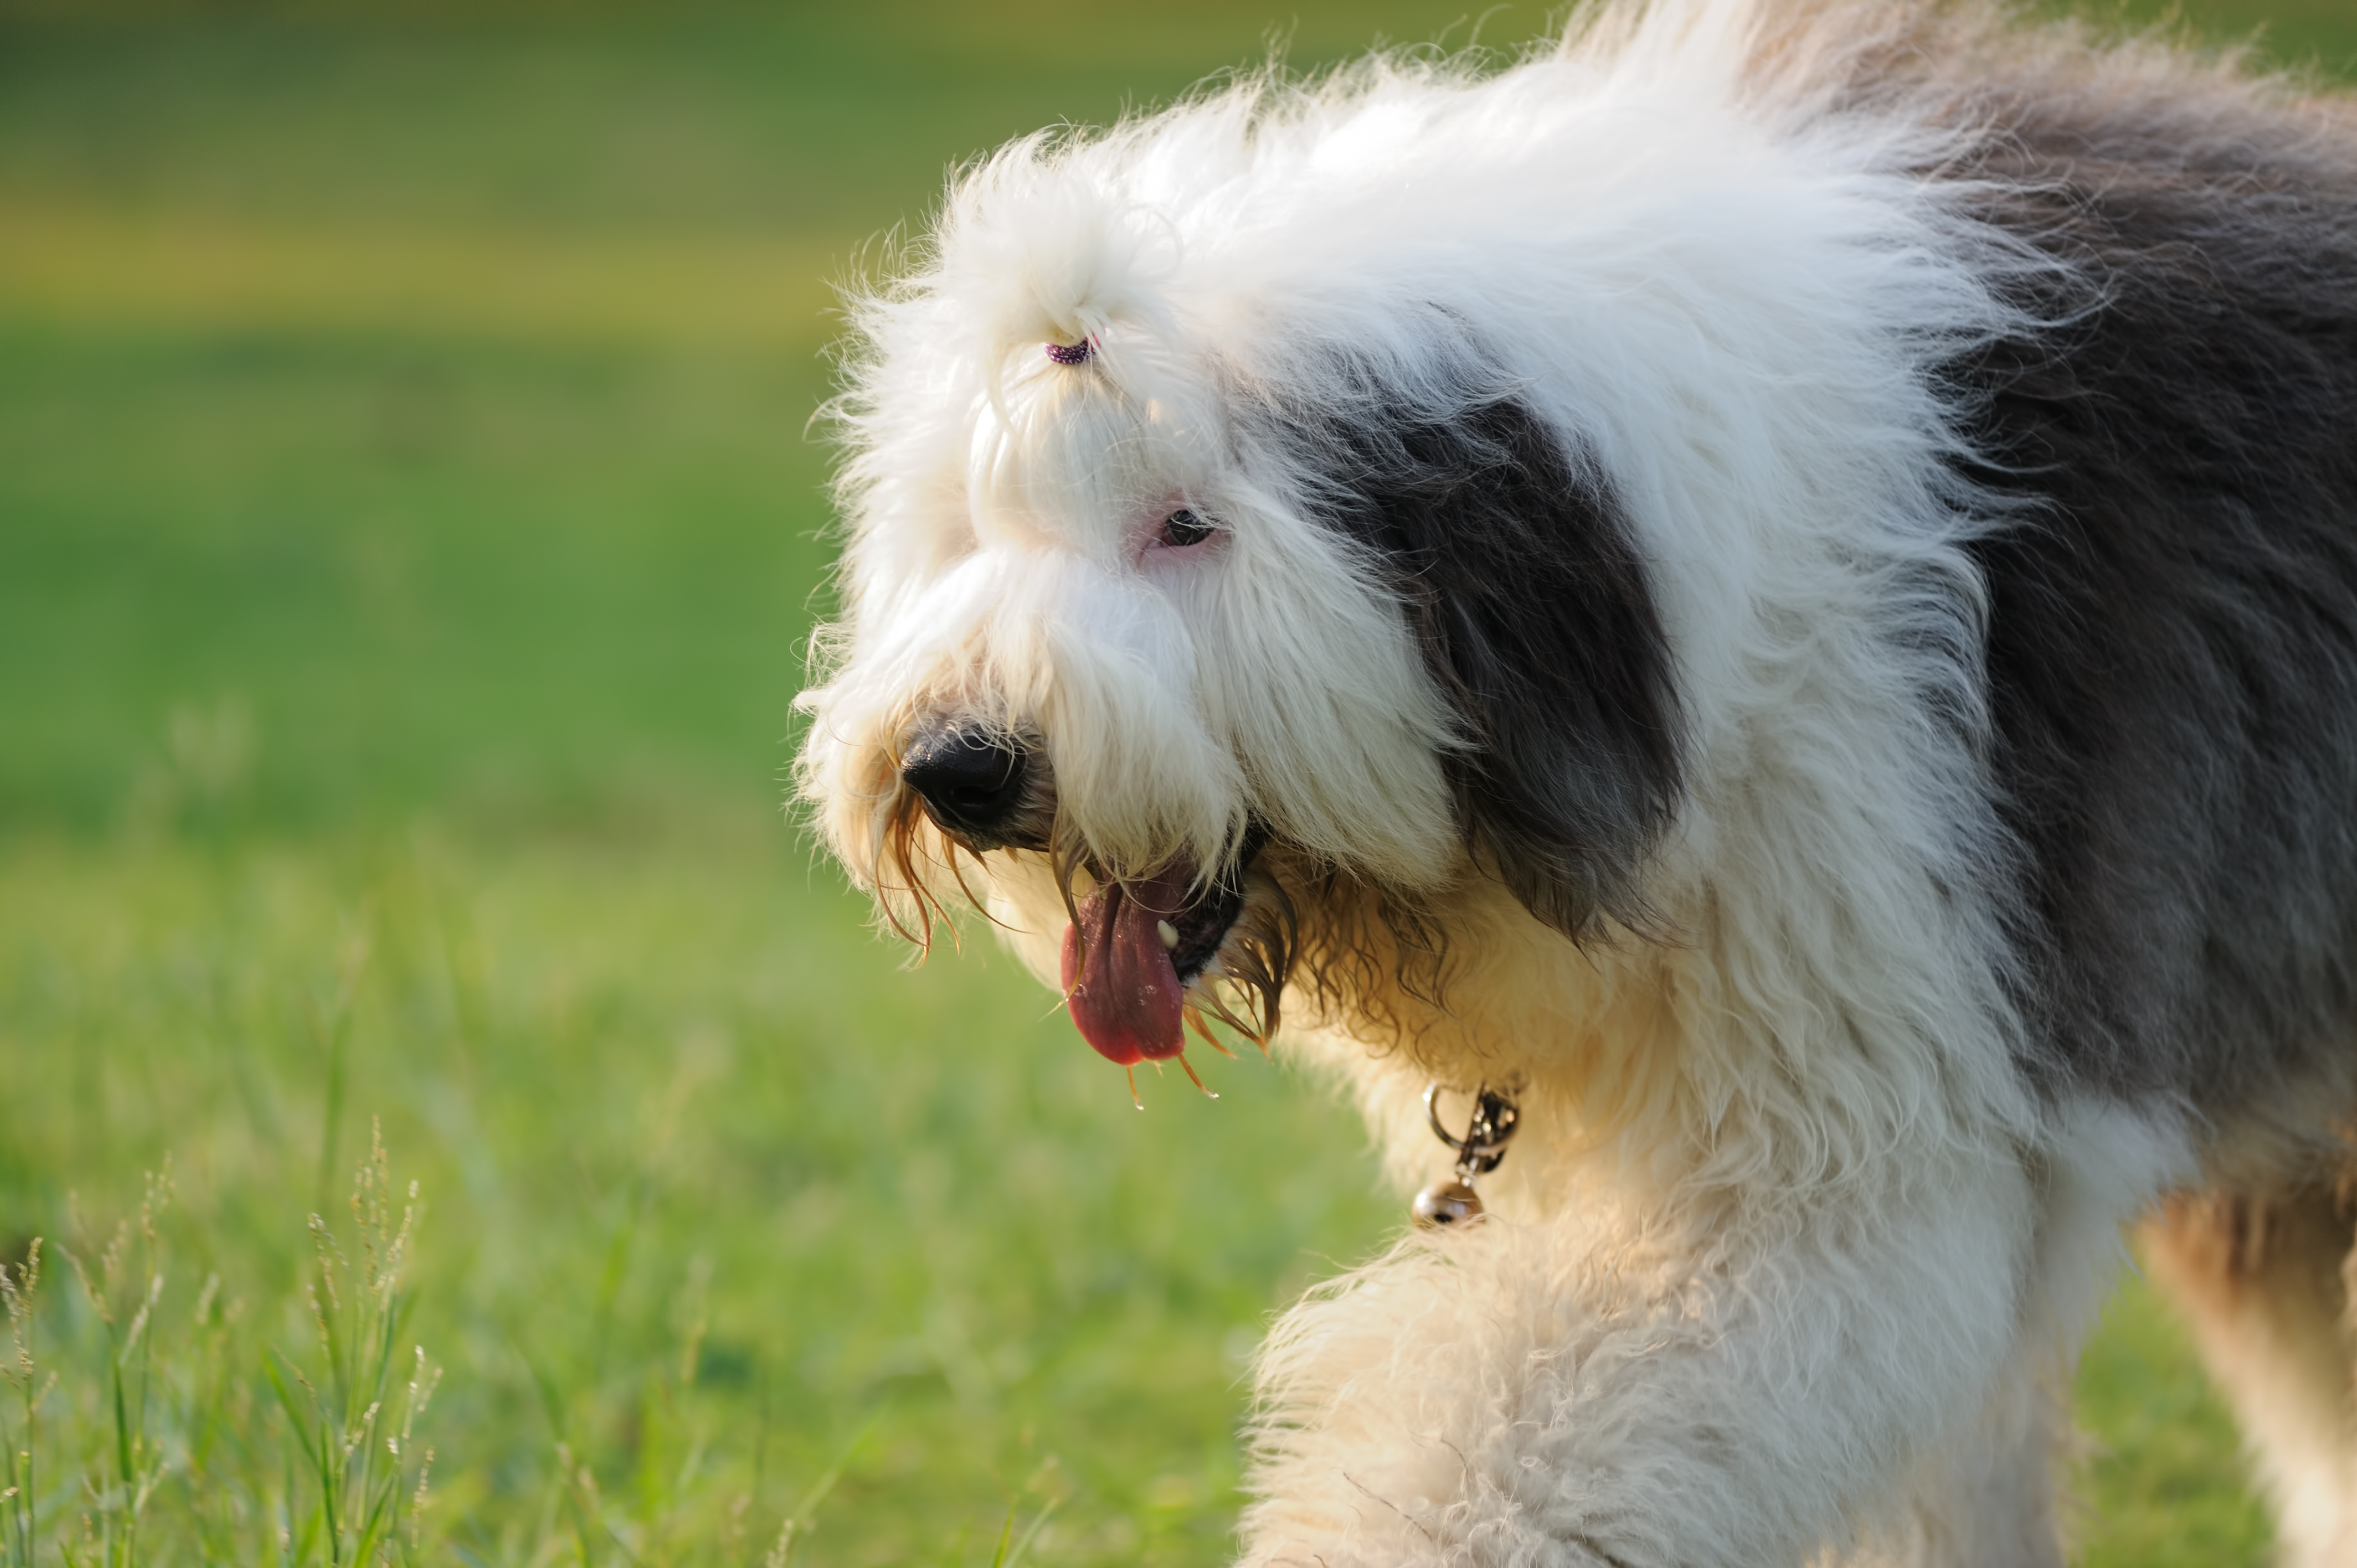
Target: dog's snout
<point>971,782</point>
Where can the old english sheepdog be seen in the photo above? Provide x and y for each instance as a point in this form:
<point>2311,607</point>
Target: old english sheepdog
<point>1767,594</point>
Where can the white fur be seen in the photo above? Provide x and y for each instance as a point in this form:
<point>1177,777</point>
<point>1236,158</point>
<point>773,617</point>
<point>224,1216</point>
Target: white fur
<point>1787,1243</point>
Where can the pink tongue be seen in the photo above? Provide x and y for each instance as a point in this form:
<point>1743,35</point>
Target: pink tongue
<point>1125,993</point>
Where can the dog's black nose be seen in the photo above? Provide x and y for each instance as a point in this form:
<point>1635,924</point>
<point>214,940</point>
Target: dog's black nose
<point>971,782</point>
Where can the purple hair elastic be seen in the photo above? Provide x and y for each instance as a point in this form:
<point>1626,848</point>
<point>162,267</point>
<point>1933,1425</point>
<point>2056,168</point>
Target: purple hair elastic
<point>1078,353</point>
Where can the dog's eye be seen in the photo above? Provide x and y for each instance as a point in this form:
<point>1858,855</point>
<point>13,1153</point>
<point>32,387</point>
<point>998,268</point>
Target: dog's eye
<point>1183,528</point>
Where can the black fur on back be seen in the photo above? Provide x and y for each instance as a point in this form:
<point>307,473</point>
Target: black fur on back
<point>2172,642</point>
<point>1523,585</point>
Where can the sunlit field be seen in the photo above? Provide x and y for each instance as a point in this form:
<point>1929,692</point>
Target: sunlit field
<point>410,522</point>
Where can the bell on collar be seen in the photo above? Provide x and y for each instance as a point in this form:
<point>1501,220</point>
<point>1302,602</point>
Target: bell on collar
<point>1448,1203</point>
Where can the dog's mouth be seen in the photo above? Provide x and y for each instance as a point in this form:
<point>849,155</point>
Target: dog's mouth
<point>1134,950</point>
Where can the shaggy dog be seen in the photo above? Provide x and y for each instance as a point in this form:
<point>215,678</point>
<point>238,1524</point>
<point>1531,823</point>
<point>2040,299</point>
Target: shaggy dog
<point>1776,585</point>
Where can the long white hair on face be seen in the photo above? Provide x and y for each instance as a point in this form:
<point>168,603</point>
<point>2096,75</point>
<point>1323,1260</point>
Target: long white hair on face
<point>994,565</point>
<point>1730,303</point>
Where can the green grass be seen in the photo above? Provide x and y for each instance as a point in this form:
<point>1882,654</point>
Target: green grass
<point>2156,1475</point>
<point>408,531</point>
<point>708,1186</point>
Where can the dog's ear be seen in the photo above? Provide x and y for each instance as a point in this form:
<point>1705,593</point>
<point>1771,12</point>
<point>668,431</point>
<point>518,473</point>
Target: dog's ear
<point>1525,588</point>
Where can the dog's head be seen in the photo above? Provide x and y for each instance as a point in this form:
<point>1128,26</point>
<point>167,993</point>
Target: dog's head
<point>1221,591</point>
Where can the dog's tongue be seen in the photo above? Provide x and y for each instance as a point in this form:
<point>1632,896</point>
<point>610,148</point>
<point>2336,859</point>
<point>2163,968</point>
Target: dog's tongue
<point>1119,983</point>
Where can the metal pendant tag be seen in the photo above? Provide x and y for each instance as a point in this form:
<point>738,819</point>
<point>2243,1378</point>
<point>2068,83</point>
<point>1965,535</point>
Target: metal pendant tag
<point>1452,1203</point>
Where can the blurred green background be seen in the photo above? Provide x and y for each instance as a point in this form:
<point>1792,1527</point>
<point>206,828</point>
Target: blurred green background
<point>409,523</point>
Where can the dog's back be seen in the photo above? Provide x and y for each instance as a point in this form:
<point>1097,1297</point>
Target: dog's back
<point>2172,638</point>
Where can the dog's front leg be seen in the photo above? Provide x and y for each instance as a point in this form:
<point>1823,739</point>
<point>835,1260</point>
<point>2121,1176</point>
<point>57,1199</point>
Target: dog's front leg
<point>1733,1379</point>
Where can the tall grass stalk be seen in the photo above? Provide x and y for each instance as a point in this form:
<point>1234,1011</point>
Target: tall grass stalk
<point>351,1450</point>
<point>123,1296</point>
<point>19,1526</point>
